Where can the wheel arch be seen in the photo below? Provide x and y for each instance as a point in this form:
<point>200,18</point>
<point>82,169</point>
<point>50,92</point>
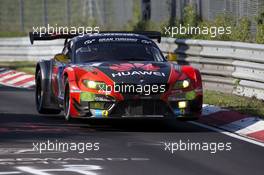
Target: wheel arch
<point>45,67</point>
<point>69,73</point>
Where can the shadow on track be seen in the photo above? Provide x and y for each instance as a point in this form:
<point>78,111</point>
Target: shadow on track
<point>116,124</point>
<point>19,119</point>
<point>143,125</point>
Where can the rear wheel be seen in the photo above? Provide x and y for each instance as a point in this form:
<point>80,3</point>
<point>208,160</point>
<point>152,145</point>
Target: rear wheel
<point>39,96</point>
<point>67,101</point>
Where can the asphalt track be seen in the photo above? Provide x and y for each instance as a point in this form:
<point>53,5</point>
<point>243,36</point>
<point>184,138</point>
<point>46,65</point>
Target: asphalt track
<point>134,146</point>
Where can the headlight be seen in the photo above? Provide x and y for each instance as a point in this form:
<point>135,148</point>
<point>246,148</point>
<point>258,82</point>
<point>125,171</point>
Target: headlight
<point>185,83</point>
<point>182,84</point>
<point>94,84</point>
<point>91,84</point>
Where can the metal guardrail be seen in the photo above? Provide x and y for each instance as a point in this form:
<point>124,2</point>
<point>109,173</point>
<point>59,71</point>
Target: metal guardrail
<point>20,49</point>
<point>230,67</point>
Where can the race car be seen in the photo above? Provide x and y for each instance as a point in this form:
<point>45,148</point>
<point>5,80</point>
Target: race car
<point>115,74</point>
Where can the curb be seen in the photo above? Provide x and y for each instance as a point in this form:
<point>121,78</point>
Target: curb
<point>244,125</point>
<point>247,126</point>
<point>16,79</point>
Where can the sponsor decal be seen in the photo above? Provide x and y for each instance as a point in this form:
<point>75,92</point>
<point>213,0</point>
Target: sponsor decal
<point>138,69</point>
<point>177,95</point>
<point>145,41</point>
<point>179,112</point>
<point>121,39</point>
<point>129,66</point>
<point>99,113</point>
<point>190,95</point>
<point>87,96</point>
<point>89,41</point>
<point>138,73</point>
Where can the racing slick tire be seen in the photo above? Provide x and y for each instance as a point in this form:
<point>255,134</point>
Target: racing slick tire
<point>197,105</point>
<point>40,94</point>
<point>67,101</point>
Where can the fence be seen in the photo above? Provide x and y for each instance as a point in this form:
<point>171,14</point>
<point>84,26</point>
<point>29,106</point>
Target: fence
<point>230,67</point>
<point>22,15</point>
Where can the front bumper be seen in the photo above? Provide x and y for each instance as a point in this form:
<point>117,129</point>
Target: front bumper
<point>91,105</point>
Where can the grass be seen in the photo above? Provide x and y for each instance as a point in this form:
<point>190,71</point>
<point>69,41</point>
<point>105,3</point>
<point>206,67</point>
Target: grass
<point>29,70</point>
<point>245,105</point>
<point>12,34</point>
<point>23,66</point>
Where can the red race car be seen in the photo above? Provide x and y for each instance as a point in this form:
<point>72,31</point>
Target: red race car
<point>115,74</point>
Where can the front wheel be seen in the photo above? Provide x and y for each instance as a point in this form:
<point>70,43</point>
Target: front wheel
<point>67,101</point>
<point>197,105</point>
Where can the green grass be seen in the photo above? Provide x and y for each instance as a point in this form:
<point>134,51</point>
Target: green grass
<point>23,66</point>
<point>29,70</point>
<point>245,105</point>
<point>12,34</point>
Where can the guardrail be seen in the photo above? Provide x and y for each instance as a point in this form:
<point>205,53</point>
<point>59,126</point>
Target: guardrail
<point>230,67</point>
<point>20,49</point>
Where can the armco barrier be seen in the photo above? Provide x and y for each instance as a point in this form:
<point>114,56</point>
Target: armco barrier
<point>20,49</point>
<point>231,67</point>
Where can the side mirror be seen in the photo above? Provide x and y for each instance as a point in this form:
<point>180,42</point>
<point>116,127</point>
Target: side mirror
<point>61,58</point>
<point>171,56</point>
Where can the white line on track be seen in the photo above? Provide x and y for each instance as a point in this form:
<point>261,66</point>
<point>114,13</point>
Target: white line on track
<point>228,133</point>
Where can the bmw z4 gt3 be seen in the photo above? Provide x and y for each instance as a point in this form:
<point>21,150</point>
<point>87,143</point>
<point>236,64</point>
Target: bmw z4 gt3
<point>115,74</point>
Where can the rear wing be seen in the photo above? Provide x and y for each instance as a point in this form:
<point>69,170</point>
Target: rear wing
<point>34,36</point>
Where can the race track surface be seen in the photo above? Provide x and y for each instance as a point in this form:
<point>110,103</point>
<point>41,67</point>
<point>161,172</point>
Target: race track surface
<point>120,146</point>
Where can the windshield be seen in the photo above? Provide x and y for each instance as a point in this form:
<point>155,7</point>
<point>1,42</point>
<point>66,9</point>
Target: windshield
<point>118,52</point>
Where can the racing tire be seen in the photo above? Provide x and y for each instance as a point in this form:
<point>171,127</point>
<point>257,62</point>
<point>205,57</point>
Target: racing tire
<point>67,101</point>
<point>39,94</point>
<point>197,107</point>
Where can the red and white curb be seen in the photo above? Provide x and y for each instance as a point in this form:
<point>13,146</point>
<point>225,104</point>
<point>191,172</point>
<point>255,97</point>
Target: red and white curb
<point>231,121</point>
<point>244,125</point>
<point>16,79</point>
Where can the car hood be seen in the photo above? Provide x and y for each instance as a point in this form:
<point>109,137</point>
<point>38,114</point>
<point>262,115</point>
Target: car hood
<point>134,72</point>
